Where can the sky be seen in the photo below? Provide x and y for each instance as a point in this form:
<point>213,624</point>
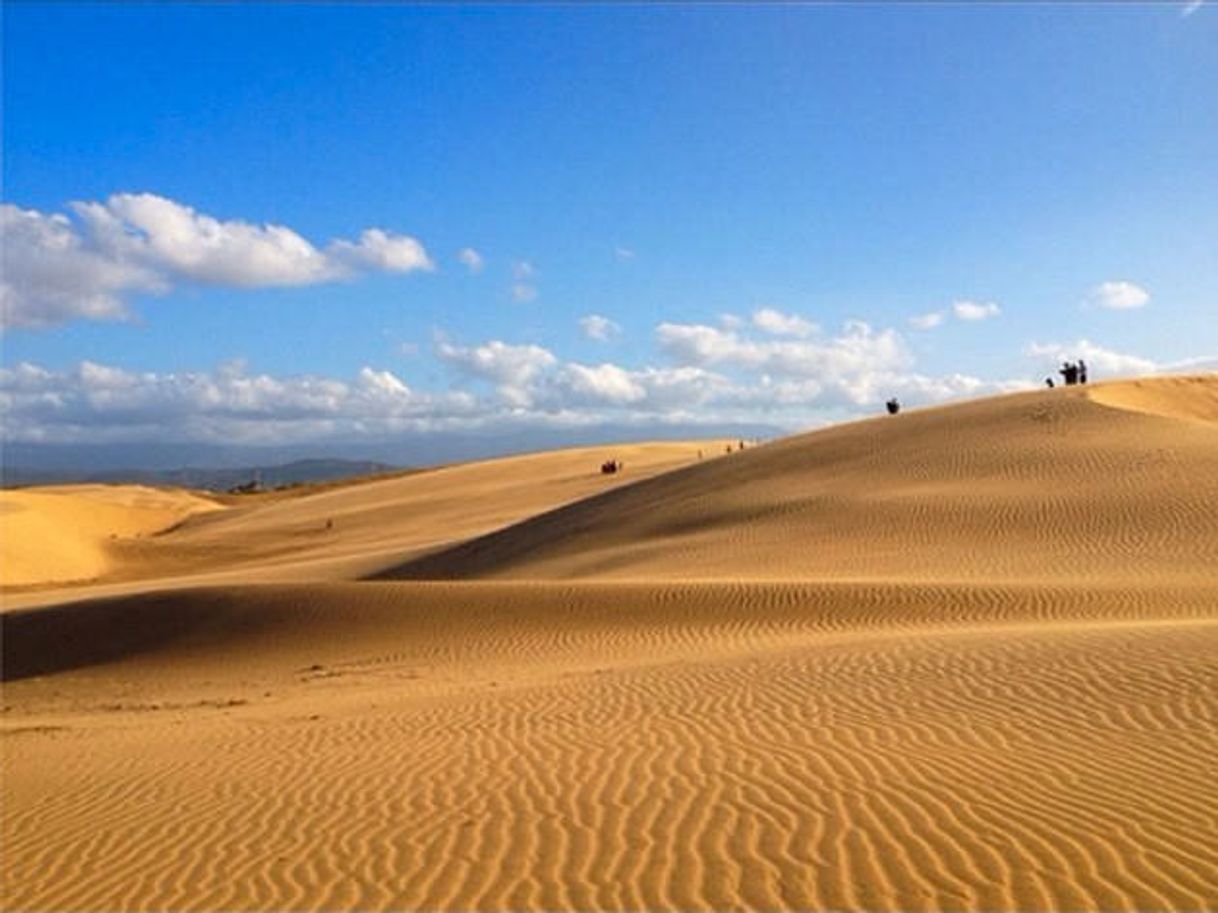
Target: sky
<point>324,224</point>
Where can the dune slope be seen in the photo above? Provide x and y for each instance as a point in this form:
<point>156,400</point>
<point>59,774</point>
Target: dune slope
<point>338,532</point>
<point>68,532</point>
<point>962,659</point>
<point>1041,486</point>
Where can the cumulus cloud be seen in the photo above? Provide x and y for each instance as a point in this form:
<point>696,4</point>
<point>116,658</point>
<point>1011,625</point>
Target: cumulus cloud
<point>471,259</point>
<point>720,376</point>
<point>380,250</point>
<point>853,367</point>
<point>87,263</point>
<point>94,402</point>
<point>511,368</point>
<point>1119,296</point>
<point>776,323</point>
<point>927,321</point>
<point>606,383</point>
<point>602,329</point>
<point>975,310</point>
<point>51,275</point>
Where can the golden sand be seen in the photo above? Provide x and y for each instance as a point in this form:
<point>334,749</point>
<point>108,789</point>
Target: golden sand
<point>965,658</point>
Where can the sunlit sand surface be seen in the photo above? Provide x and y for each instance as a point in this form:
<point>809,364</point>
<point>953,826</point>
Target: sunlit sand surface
<point>965,658</point>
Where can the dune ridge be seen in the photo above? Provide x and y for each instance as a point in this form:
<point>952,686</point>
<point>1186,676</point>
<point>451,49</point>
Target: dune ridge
<point>962,659</point>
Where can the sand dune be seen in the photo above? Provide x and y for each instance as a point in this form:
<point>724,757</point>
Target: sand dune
<point>962,659</point>
<point>341,531</point>
<point>68,532</point>
<point>1043,486</point>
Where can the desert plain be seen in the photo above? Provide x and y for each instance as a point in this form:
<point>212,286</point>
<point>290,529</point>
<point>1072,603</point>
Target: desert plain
<point>963,658</point>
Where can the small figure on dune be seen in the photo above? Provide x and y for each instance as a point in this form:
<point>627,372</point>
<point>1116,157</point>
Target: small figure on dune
<point>1049,383</point>
<point>609,467</point>
<point>1069,371</point>
<point>893,406</point>
<point>1082,371</point>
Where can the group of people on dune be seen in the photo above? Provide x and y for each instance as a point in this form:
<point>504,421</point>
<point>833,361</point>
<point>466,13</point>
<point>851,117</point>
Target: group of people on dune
<point>1072,373</point>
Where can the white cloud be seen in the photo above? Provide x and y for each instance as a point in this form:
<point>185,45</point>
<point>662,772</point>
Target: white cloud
<point>51,275</point>
<point>1119,296</point>
<point>176,241</point>
<point>725,378</point>
<point>1100,361</point>
<point>98,403</point>
<point>776,323</point>
<point>851,367</point>
<point>603,383</point>
<point>927,321</point>
<point>1191,7</point>
<point>623,253</point>
<point>511,368</point>
<point>471,259</point>
<point>61,267</point>
<point>380,250</point>
<point>594,326</point>
<point>975,310</point>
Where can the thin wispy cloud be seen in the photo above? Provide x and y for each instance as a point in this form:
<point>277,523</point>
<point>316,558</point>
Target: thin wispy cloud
<point>963,309</point>
<point>1191,7</point>
<point>471,259</point>
<point>927,321</point>
<point>975,310</point>
<point>524,288</point>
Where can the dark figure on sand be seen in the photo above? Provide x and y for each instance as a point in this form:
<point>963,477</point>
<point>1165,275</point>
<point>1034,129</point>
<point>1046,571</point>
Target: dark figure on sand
<point>893,406</point>
<point>1073,373</point>
<point>1049,383</point>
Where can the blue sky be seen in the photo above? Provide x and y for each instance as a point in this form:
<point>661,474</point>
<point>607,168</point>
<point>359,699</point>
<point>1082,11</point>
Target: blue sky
<point>759,207</point>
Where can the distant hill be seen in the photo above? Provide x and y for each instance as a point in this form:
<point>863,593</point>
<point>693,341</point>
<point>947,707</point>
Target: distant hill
<point>293,473</point>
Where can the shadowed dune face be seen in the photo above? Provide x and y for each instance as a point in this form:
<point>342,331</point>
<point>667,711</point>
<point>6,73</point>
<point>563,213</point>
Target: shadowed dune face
<point>960,659</point>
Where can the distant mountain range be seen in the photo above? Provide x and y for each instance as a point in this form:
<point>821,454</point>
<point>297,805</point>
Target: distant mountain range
<point>296,472</point>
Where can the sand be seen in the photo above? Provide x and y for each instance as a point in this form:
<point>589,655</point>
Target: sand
<point>68,532</point>
<point>965,658</point>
